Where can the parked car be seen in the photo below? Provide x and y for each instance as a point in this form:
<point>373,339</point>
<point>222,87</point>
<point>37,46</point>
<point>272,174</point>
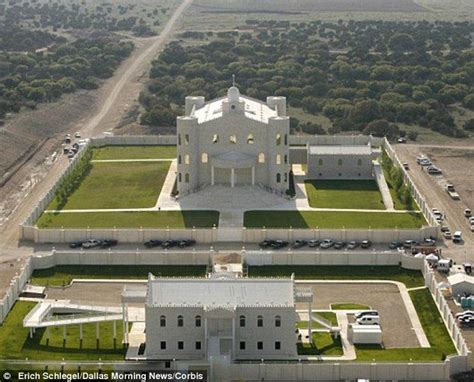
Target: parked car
<point>433,170</point>
<point>465,313</point>
<point>327,243</point>
<point>314,243</point>
<point>91,243</point>
<point>75,244</point>
<point>108,243</point>
<point>409,243</point>
<point>153,243</point>
<point>472,227</point>
<point>278,244</point>
<point>264,244</point>
<point>428,242</point>
<point>77,135</point>
<point>447,235</point>
<point>425,162</point>
<point>457,237</point>
<point>421,158</point>
<point>339,245</point>
<point>395,244</point>
<point>299,244</point>
<point>353,244</point>
<point>366,313</point>
<point>186,243</point>
<point>368,320</point>
<point>366,244</point>
<point>406,166</point>
<point>169,244</point>
<point>467,321</point>
<point>444,228</point>
<point>402,140</point>
<point>467,212</point>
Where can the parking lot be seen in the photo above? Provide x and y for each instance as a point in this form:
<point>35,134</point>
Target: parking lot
<point>384,297</point>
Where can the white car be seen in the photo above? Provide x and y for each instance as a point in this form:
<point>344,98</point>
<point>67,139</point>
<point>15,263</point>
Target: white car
<point>368,320</point>
<point>457,237</point>
<point>92,243</point>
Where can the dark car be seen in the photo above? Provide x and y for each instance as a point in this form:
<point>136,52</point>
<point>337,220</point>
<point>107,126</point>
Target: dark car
<point>409,243</point>
<point>278,244</point>
<point>108,243</point>
<point>365,244</point>
<point>152,243</point>
<point>265,244</point>
<point>76,244</point>
<point>428,243</point>
<point>395,244</point>
<point>339,245</point>
<point>353,244</point>
<point>299,244</point>
<point>169,244</point>
<point>186,243</point>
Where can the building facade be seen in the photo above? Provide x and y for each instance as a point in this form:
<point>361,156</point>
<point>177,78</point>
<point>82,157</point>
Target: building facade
<point>234,140</point>
<point>234,318</point>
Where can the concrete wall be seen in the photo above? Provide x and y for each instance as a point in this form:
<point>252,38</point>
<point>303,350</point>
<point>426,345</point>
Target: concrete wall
<point>329,167</point>
<point>302,140</point>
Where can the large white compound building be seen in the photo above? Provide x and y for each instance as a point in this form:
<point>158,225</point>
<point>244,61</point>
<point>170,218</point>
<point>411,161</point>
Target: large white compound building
<point>234,140</point>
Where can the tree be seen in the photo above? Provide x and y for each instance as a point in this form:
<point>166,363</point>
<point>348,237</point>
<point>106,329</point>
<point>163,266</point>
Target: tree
<point>381,128</point>
<point>412,135</point>
<point>365,112</point>
<point>401,43</point>
<point>469,125</point>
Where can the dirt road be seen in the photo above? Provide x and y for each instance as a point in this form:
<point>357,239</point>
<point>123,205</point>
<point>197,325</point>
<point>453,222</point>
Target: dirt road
<point>115,97</point>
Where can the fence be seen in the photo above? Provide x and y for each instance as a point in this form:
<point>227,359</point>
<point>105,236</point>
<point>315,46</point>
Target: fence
<point>296,140</point>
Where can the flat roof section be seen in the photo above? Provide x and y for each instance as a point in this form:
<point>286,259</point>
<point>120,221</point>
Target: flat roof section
<point>340,150</point>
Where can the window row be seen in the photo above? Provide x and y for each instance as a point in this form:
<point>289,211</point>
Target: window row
<point>186,178</point>
<point>243,321</point>
<point>197,345</point>
<point>276,345</point>
<point>180,321</point>
<point>250,139</point>
<point>186,139</point>
<point>340,162</point>
<point>205,158</point>
<point>278,177</point>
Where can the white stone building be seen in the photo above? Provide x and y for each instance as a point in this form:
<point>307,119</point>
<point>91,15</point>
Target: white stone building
<point>234,140</point>
<point>227,317</point>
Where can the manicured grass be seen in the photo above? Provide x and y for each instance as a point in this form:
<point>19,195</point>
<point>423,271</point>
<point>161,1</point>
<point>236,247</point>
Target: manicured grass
<point>63,274</point>
<point>435,330</point>
<point>146,219</point>
<point>410,278</point>
<point>330,316</point>
<point>16,344</point>
<point>118,185</point>
<point>323,344</point>
<point>134,152</point>
<point>398,204</point>
<point>356,194</point>
<point>349,306</point>
<point>330,219</point>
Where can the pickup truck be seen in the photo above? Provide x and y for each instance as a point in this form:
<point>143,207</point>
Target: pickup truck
<point>452,192</point>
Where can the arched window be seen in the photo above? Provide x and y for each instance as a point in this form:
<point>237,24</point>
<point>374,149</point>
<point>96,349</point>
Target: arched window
<point>162,321</point>
<point>286,139</point>
<point>179,159</point>
<point>233,139</point>
<point>320,162</point>
<point>179,139</point>
<point>277,321</point>
<point>198,321</point>
<point>339,162</point>
<point>186,139</point>
<point>180,321</point>
<point>215,138</point>
<point>278,159</point>
<point>260,321</point>
<point>250,140</point>
<point>186,178</point>
<point>242,321</point>
<point>278,178</point>
<point>186,159</point>
<point>204,158</point>
<point>179,177</point>
<point>286,159</point>
<point>359,162</point>
<point>278,139</point>
<point>261,158</point>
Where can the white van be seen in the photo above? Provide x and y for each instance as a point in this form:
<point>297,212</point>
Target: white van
<point>368,320</point>
<point>457,237</point>
<point>363,313</point>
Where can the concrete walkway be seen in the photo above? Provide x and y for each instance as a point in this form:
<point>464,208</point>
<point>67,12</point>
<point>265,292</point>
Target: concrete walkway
<point>383,187</point>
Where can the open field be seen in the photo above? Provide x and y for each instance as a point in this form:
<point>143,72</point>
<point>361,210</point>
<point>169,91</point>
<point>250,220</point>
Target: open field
<point>146,219</point>
<point>63,274</point>
<point>134,152</point>
<point>410,278</point>
<point>330,219</point>
<point>118,185</point>
<point>16,344</point>
<point>354,194</point>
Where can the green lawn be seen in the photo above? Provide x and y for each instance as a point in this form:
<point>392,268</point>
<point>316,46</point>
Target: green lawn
<point>356,194</point>
<point>398,204</point>
<point>436,332</point>
<point>330,219</point>
<point>134,152</point>
<point>330,316</point>
<point>63,274</point>
<point>118,185</point>
<point>410,278</point>
<point>16,344</point>
<point>349,306</point>
<point>323,344</point>
<point>146,219</point>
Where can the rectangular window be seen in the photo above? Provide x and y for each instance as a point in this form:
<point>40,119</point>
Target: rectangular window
<point>198,345</point>
<point>180,345</point>
<point>242,345</point>
<point>277,345</point>
<point>163,345</point>
<point>260,345</point>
